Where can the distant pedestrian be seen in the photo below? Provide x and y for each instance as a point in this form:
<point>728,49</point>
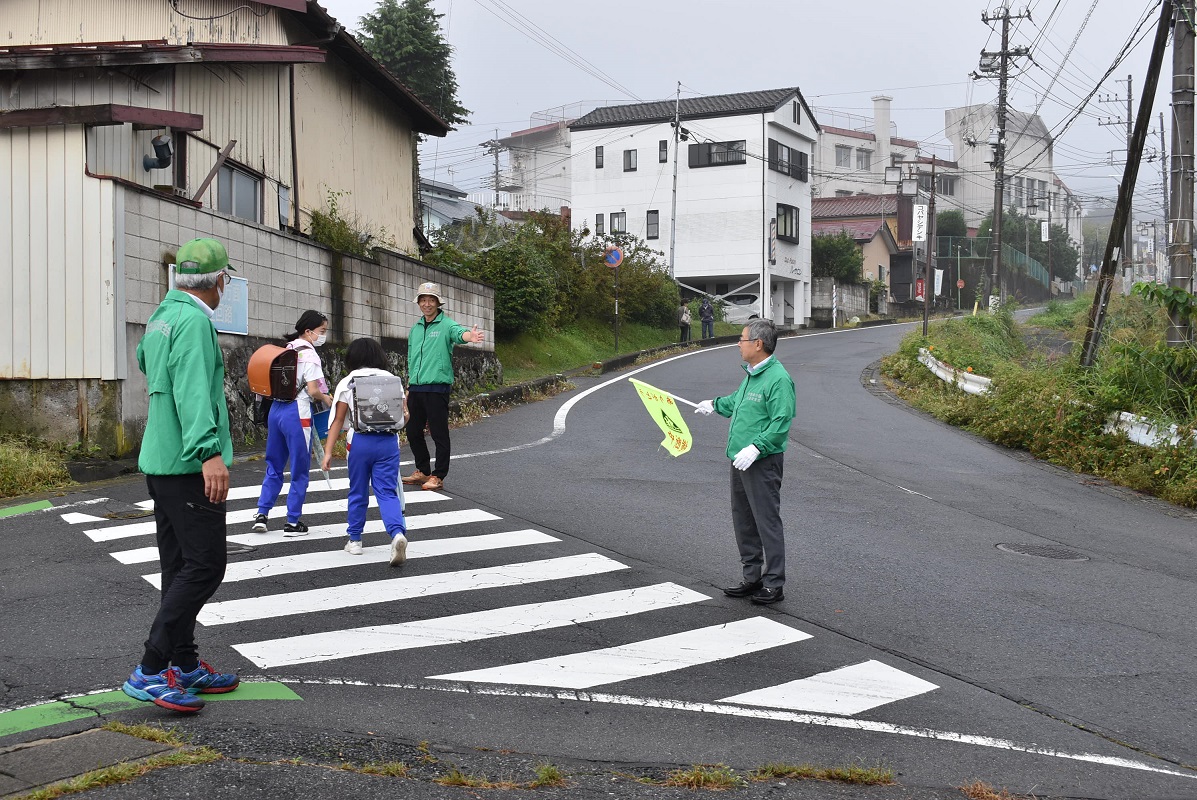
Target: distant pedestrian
<point>761,411</point>
<point>185,454</point>
<point>683,318</point>
<point>373,456</point>
<point>429,381</point>
<point>706,315</point>
<point>289,427</point>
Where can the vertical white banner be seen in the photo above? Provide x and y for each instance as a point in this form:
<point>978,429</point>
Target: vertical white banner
<point>938,282</point>
<point>1044,232</point>
<point>919,226</point>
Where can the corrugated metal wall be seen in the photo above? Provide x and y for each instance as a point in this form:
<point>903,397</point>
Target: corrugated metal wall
<point>370,159</point>
<point>64,21</point>
<point>249,103</point>
<point>57,260</point>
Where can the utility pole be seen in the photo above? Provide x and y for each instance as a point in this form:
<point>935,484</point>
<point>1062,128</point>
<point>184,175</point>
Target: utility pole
<point>999,147</point>
<point>927,285</point>
<point>677,137</point>
<point>1180,242</point>
<point>1126,186</point>
<point>1128,252</point>
<point>1164,177</point>
<point>494,148</point>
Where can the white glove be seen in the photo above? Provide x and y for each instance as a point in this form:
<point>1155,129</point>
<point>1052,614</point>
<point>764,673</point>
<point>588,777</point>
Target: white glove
<point>705,407</point>
<point>745,457</point>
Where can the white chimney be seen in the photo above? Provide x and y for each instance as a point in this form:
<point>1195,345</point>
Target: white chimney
<point>881,131</point>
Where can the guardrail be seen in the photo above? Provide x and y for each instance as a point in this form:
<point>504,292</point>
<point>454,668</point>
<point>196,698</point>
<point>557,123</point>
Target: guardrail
<point>1138,429</point>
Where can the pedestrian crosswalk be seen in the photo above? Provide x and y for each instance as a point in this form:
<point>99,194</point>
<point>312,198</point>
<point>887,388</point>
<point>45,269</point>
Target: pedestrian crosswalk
<point>472,577</point>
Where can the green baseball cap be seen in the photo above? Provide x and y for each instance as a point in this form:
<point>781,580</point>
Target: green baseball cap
<point>201,256</point>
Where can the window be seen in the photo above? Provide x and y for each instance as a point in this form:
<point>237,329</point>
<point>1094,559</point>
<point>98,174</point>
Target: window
<point>787,160</point>
<point>864,159</point>
<point>598,157</point>
<point>1016,186</point>
<point>880,273</point>
<point>629,160</point>
<point>947,184</point>
<point>619,222</point>
<point>717,154</point>
<point>842,193</point>
<point>663,151</point>
<point>843,156</point>
<point>598,224</point>
<point>653,227</point>
<point>797,109</point>
<point>787,223</point>
<point>239,193</point>
<point>1042,189</point>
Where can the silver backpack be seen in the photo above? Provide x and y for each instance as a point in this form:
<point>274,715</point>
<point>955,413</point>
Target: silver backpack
<point>377,404</point>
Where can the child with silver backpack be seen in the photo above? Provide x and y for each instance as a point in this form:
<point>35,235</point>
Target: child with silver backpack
<point>371,398</point>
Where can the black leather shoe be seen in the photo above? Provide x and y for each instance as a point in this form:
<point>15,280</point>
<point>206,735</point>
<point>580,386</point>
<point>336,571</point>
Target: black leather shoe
<point>744,589</point>
<point>766,597</point>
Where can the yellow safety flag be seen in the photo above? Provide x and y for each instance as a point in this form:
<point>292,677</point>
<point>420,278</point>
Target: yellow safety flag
<point>665,412</point>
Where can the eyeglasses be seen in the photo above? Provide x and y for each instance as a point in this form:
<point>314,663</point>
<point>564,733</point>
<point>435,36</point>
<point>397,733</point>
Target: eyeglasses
<point>742,339</point>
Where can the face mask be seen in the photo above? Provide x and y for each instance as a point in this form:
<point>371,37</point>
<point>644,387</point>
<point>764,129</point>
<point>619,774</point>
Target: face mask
<point>320,340</point>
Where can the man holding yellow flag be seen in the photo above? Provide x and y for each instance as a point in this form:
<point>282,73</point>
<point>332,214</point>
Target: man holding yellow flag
<point>761,411</point>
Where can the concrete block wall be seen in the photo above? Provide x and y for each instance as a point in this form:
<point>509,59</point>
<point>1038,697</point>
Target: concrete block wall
<point>288,274</point>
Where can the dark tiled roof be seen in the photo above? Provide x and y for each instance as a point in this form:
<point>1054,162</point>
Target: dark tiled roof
<point>720,105</point>
<point>857,205</point>
<point>851,133</point>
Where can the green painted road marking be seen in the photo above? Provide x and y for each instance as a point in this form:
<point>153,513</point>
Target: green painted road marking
<point>58,711</point>
<point>37,506</point>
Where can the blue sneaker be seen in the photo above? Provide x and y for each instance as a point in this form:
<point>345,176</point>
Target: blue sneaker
<point>162,689</point>
<point>205,680</point>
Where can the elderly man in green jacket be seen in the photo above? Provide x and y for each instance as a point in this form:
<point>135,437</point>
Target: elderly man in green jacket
<point>185,455</point>
<point>761,411</point>
<point>430,379</point>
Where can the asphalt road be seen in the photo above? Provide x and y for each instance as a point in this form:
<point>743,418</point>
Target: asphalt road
<point>562,601</point>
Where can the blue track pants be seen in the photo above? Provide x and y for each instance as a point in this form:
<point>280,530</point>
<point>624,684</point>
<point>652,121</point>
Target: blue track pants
<point>287,440</point>
<point>374,459</point>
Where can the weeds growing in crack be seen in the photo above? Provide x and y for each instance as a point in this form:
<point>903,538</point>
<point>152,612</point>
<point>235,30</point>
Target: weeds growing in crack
<point>123,773</point>
<point>983,791</point>
<point>868,776</point>
<point>144,730</point>
<point>547,775</point>
<point>715,777</point>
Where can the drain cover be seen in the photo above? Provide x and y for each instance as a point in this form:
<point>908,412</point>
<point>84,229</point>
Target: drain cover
<point>1044,551</point>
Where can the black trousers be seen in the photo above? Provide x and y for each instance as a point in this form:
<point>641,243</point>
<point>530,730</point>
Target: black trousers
<point>756,519</point>
<point>431,409</point>
<point>191,550</point>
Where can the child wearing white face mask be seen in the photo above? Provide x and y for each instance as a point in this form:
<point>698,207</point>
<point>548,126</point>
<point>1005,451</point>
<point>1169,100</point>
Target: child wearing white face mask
<point>289,429</point>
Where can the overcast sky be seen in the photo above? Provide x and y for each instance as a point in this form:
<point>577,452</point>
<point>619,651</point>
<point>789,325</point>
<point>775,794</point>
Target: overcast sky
<point>839,54</point>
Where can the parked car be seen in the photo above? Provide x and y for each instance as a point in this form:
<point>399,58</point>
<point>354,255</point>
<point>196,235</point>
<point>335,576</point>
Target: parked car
<point>739,308</point>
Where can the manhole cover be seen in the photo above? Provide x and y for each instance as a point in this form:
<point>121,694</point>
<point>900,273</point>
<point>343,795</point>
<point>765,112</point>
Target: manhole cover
<point>1044,551</point>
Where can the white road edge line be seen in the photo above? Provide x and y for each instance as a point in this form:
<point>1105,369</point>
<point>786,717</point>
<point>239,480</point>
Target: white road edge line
<point>756,713</point>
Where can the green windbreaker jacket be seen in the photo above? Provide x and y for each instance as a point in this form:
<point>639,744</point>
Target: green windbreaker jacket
<point>430,350</point>
<point>761,410</point>
<point>184,369</point>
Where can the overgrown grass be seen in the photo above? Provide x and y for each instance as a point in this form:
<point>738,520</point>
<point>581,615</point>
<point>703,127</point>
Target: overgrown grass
<point>456,777</point>
<point>28,466</point>
<point>391,769</point>
<point>1057,410</point>
<point>714,777</point>
<point>865,776</point>
<point>123,773</point>
<point>144,730</point>
<point>547,775</point>
<point>535,354</point>
<point>983,791</point>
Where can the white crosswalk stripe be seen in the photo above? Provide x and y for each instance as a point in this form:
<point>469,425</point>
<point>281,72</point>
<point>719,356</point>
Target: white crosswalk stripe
<point>247,515</point>
<point>845,691</point>
<point>335,559</point>
<point>144,555</point>
<point>643,658</point>
<point>466,627</point>
<point>385,591</point>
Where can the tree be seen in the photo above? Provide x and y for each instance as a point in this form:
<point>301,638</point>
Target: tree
<point>1019,231</point>
<point>836,256</point>
<point>406,38</point>
<point>951,223</point>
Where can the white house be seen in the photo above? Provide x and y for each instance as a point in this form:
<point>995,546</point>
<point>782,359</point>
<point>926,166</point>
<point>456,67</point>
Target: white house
<point>538,159</point>
<point>743,190</point>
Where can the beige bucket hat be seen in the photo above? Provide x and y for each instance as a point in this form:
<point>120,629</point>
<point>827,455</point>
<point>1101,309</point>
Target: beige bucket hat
<point>430,288</point>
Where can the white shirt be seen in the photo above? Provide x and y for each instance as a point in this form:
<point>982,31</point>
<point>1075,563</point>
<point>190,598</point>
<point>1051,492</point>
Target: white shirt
<point>344,394</point>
